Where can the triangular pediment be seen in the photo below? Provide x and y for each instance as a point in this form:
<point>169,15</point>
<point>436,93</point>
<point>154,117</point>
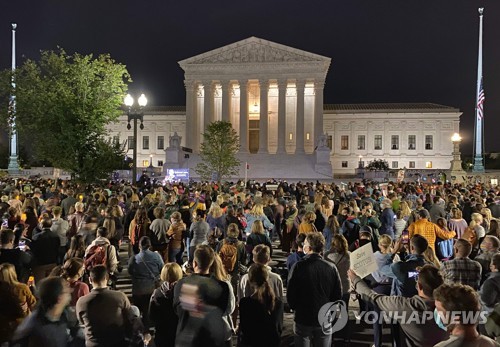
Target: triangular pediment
<point>253,50</point>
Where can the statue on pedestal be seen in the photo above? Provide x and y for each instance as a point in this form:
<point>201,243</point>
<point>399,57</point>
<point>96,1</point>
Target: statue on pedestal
<point>323,143</point>
<point>174,141</point>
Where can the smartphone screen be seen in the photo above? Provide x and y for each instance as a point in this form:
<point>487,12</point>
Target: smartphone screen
<point>22,245</point>
<point>412,274</point>
<point>405,236</point>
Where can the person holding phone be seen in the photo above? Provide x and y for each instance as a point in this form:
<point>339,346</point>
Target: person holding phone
<point>16,256</point>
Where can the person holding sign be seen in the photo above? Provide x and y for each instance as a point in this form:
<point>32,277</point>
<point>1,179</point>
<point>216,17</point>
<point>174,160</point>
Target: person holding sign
<point>419,328</point>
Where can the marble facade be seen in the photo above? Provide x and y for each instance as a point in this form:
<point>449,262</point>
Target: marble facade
<point>273,96</point>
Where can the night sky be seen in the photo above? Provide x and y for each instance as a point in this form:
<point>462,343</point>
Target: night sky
<point>381,50</point>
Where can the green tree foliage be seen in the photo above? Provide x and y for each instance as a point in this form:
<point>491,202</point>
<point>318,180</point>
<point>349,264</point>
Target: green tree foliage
<point>218,152</point>
<point>63,105</point>
<point>378,165</point>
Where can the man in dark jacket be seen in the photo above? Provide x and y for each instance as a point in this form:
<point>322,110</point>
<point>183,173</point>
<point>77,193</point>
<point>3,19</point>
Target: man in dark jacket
<point>200,301</point>
<point>15,256</point>
<point>312,283</point>
<point>45,248</point>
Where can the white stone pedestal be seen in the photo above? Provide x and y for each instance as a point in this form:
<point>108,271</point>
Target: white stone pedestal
<point>323,164</point>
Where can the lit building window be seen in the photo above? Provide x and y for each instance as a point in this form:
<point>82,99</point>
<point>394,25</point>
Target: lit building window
<point>428,164</point>
<point>145,163</point>
<point>412,142</point>
<point>344,142</point>
<point>395,142</point>
<point>290,136</point>
<point>361,141</point>
<point>378,142</point>
<point>428,141</point>
<point>161,142</point>
<point>308,136</point>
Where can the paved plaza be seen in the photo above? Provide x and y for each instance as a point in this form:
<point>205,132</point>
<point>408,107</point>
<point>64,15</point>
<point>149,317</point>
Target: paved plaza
<point>361,334</point>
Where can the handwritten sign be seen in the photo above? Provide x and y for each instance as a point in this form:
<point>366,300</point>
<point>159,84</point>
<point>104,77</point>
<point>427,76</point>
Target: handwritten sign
<point>363,262</point>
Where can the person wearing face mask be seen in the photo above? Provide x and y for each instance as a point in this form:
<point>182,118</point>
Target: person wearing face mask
<point>458,312</point>
<point>422,331</point>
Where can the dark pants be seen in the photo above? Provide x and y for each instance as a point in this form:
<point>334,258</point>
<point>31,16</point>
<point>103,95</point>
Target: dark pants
<point>307,336</point>
<point>288,238</point>
<point>142,302</point>
<point>384,289</point>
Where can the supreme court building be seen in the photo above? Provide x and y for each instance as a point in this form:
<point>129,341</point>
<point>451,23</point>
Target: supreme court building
<point>273,96</point>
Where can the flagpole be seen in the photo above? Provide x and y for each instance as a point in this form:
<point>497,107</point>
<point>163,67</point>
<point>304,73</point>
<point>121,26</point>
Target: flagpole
<point>478,138</point>
<point>13,167</point>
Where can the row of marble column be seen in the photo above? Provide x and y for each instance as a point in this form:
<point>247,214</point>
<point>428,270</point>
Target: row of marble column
<point>193,127</point>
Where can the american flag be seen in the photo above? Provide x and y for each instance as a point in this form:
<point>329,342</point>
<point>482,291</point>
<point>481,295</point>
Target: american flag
<point>480,101</point>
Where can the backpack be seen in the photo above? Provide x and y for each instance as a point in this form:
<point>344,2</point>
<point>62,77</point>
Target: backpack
<point>97,255</point>
<point>229,255</point>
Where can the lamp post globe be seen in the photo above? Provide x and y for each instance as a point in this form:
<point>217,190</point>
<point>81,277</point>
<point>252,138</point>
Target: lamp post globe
<point>129,100</point>
<point>142,101</point>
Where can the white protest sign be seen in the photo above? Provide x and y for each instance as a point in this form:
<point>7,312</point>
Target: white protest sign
<point>363,262</point>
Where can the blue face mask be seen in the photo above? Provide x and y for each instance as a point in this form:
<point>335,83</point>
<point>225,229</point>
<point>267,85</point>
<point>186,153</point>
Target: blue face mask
<point>439,322</point>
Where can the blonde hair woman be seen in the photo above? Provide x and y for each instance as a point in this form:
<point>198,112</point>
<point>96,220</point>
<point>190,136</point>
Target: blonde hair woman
<point>383,257</point>
<point>430,257</point>
<point>383,283</point>
<point>307,224</point>
<point>257,213</point>
<point>257,237</point>
<point>456,222</point>
<point>218,272</point>
<point>475,231</point>
<point>326,206</point>
<point>21,290</point>
<point>175,233</point>
<point>487,216</point>
<point>354,206</point>
<point>216,217</point>
<point>161,311</point>
<point>405,210</point>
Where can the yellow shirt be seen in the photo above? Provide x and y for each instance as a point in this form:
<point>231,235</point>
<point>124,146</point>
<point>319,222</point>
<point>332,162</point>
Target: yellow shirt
<point>430,231</point>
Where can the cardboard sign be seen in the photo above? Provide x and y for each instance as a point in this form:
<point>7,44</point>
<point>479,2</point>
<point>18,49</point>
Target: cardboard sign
<point>363,262</point>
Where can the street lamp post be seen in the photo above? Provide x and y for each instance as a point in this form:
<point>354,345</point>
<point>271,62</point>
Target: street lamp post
<point>360,164</point>
<point>135,114</point>
<point>13,167</point>
<point>457,172</point>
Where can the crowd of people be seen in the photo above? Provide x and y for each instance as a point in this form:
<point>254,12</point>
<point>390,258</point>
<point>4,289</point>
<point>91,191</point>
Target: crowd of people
<point>202,270</point>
